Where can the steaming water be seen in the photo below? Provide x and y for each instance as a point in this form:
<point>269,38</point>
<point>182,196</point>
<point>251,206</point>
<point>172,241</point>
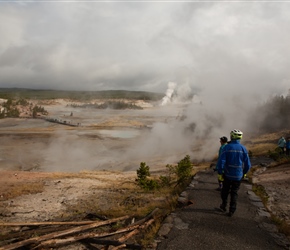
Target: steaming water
<point>29,144</point>
<point>125,134</point>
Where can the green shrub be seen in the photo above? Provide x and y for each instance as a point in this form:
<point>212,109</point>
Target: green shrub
<point>276,154</point>
<point>143,172</point>
<point>180,174</point>
<point>183,170</point>
<point>22,102</point>
<point>11,110</point>
<point>165,181</point>
<point>260,191</point>
<point>142,178</point>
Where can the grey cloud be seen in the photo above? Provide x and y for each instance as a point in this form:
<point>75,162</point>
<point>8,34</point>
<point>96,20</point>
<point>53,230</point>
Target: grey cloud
<point>143,45</point>
<point>233,55</point>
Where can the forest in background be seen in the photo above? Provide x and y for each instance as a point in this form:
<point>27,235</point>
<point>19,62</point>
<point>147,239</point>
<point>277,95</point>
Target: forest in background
<point>273,115</point>
<point>270,116</point>
<point>36,94</point>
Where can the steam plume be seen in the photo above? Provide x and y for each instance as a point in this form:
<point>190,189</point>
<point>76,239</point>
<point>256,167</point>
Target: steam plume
<point>169,92</point>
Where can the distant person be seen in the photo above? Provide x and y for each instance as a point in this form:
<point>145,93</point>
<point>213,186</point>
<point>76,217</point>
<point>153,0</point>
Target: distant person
<point>282,144</point>
<point>233,163</point>
<point>223,142</point>
<point>288,146</point>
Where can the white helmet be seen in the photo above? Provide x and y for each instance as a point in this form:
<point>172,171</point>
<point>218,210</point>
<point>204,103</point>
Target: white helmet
<point>236,134</point>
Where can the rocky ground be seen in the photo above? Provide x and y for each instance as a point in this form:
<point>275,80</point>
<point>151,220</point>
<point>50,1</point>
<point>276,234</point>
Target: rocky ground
<point>56,191</point>
<point>276,181</point>
<point>52,194</point>
<point>59,195</point>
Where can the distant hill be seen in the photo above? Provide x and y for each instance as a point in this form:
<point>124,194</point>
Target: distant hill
<point>18,93</point>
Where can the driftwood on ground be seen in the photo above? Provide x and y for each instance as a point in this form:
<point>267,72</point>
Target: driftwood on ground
<point>126,237</point>
<point>45,223</point>
<point>58,242</point>
<point>82,234</point>
<point>62,233</point>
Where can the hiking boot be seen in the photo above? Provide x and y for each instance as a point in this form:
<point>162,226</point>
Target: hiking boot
<point>223,208</point>
<point>230,214</point>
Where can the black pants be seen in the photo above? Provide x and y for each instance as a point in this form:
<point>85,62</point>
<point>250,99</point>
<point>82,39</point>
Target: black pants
<point>232,188</point>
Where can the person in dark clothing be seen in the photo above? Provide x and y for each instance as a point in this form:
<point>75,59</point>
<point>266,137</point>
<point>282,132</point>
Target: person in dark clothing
<point>223,142</point>
<point>233,163</point>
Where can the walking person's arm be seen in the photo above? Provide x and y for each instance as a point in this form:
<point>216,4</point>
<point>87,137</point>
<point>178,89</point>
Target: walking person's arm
<point>247,163</point>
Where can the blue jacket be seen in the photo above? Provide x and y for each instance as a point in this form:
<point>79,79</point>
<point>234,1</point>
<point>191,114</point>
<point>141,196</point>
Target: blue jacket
<point>220,151</point>
<point>234,161</point>
<point>282,142</point>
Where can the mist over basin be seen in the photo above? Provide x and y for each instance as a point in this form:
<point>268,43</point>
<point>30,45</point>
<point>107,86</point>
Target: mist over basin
<point>106,140</point>
<point>112,118</point>
<point>115,133</point>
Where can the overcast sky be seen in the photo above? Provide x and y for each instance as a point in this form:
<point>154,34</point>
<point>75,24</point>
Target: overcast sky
<point>221,47</point>
<point>233,54</point>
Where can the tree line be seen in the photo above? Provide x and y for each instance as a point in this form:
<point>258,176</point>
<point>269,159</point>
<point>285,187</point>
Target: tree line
<point>11,108</point>
<point>273,115</point>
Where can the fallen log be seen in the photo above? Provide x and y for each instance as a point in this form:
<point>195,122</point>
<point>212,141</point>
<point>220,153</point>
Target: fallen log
<point>89,246</point>
<point>117,243</point>
<point>23,233</point>
<point>47,223</point>
<point>111,242</point>
<point>136,231</point>
<point>119,247</point>
<point>147,217</point>
<point>129,235</point>
<point>72,239</point>
<point>62,233</point>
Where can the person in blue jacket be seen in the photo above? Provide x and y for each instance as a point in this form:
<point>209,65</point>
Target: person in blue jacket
<point>288,146</point>
<point>233,163</point>
<point>282,144</point>
<point>223,142</point>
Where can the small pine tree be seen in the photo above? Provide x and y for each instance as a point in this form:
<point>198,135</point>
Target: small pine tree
<point>183,170</point>
<point>142,173</point>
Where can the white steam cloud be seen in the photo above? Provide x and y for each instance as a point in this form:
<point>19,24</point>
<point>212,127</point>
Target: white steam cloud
<point>187,122</point>
<point>169,92</point>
